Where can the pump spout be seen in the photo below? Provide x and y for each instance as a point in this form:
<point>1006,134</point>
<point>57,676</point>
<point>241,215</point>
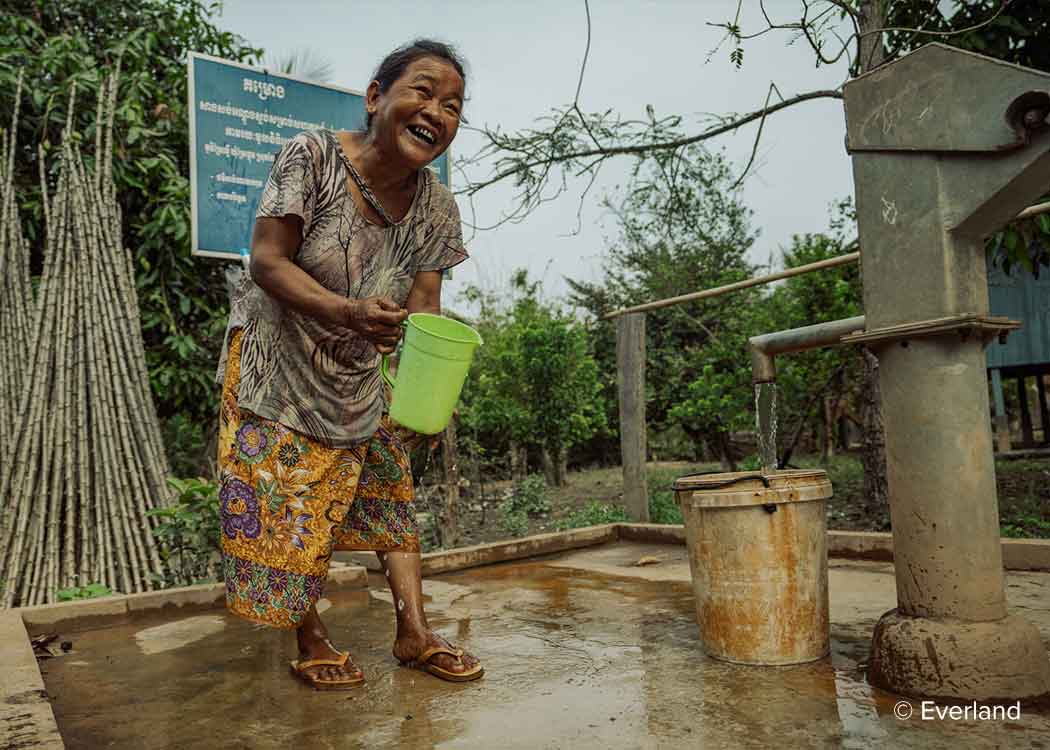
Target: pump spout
<point>764,348</point>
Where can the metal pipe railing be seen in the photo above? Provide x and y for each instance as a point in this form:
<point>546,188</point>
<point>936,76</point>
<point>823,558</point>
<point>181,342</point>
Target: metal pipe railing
<point>766,347</point>
<point>840,260</point>
<point>1036,210</point>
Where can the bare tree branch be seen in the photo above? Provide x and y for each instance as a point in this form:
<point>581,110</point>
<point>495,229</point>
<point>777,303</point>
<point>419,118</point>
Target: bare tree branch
<point>887,29</point>
<point>758,136</point>
<point>554,156</point>
<point>572,143</point>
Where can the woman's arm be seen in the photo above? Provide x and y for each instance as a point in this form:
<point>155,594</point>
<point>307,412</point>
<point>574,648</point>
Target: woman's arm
<point>425,294</point>
<point>274,244</point>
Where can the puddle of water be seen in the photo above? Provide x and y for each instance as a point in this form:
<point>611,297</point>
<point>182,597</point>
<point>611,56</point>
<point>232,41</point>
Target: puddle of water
<point>173,635</point>
<point>574,659</point>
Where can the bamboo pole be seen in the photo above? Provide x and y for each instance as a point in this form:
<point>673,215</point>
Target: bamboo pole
<point>88,458</point>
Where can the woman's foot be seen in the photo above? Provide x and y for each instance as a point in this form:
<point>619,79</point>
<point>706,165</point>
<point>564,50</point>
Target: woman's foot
<point>409,647</point>
<point>416,645</point>
<point>314,645</point>
<point>327,666</point>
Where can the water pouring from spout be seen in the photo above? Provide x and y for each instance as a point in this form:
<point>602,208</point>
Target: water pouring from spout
<point>766,424</point>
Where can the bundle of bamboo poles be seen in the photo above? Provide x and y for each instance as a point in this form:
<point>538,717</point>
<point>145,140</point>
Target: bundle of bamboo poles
<point>87,461</point>
<point>16,301</point>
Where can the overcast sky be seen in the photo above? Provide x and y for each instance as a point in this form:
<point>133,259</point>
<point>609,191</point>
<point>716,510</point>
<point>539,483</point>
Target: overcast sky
<point>524,59</point>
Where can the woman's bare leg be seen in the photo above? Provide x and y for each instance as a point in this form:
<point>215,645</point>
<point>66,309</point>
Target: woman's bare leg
<point>312,637</point>
<point>404,576</point>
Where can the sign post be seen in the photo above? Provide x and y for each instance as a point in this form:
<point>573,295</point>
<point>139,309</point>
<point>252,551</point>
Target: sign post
<point>240,116</point>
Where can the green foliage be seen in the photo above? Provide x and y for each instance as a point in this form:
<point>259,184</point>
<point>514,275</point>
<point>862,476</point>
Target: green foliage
<point>183,303</point>
<point>663,508</point>
<point>513,522</point>
<point>91,591</point>
<point>185,432</point>
<point>682,228</point>
<point>805,379</point>
<point>662,505</point>
<point>529,496</point>
<point>535,382</point>
<point>1026,526</point>
<point>1024,498</point>
<point>1017,34</point>
<point>188,532</point>
<point>592,514</point>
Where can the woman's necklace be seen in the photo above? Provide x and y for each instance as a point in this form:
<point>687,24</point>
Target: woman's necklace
<point>366,192</point>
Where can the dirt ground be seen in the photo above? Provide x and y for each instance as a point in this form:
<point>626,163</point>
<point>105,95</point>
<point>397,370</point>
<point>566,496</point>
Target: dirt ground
<point>595,496</point>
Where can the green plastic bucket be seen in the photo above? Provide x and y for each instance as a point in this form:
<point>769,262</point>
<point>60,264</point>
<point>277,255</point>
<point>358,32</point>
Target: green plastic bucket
<point>430,373</point>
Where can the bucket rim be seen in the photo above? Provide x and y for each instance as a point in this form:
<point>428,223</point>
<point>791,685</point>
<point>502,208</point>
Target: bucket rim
<point>749,489</point>
<point>709,482</point>
<point>477,340</point>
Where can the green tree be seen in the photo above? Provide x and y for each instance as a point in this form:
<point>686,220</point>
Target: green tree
<point>534,382</point>
<point>679,232</point>
<point>182,299</point>
<point>858,32</point>
<point>816,385</point>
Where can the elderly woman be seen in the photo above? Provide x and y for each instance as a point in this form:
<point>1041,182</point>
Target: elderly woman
<point>352,234</point>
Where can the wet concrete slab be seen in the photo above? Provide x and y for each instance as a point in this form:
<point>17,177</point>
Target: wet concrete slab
<point>589,649</point>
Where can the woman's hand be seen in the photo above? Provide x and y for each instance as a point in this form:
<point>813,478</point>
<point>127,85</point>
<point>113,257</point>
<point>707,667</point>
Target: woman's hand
<point>274,244</point>
<point>378,320</point>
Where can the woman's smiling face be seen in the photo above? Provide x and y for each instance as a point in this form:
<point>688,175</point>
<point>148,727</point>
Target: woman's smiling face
<point>416,118</point>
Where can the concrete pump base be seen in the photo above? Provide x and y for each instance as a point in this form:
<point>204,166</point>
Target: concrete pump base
<point>956,660</point>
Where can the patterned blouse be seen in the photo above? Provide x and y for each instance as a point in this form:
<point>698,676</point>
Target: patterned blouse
<point>320,380</point>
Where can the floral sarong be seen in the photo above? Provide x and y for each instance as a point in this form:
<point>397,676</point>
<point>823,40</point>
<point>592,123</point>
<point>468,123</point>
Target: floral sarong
<point>286,502</point>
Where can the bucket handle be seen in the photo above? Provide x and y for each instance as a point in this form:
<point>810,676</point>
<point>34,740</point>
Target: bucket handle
<point>384,366</point>
<point>385,371</point>
<point>742,478</point>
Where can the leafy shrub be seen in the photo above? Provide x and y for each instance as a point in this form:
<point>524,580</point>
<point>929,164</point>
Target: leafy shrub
<point>1026,526</point>
<point>186,440</point>
<point>91,591</point>
<point>529,496</point>
<point>663,508</point>
<point>189,533</point>
<point>592,514</point>
<point>513,522</point>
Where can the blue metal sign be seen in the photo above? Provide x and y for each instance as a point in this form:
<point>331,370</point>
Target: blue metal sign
<point>240,117</point>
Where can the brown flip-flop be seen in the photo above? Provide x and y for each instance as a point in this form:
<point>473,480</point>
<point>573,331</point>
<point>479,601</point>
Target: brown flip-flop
<point>422,663</point>
<point>316,683</point>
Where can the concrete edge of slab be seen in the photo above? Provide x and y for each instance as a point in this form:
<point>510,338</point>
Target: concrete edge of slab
<point>26,717</point>
<point>461,558</point>
<point>517,549</point>
<point>1018,554</point>
<point>94,612</point>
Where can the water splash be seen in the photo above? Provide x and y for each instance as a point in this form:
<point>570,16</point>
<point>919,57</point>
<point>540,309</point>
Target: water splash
<point>426,493</point>
<point>766,423</point>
